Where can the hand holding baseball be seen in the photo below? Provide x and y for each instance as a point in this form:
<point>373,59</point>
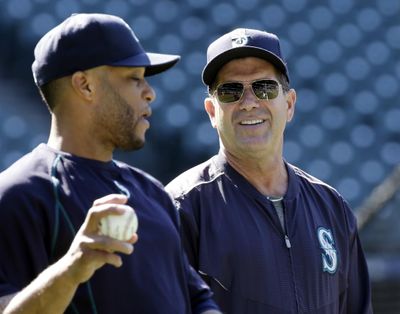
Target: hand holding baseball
<point>121,227</point>
<point>90,250</point>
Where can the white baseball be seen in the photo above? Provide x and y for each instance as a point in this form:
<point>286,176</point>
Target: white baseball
<point>120,227</point>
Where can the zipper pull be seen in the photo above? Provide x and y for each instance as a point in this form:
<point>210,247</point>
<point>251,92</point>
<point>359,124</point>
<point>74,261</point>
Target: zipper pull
<point>287,241</point>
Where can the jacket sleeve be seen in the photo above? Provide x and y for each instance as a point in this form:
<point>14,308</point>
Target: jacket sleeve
<point>188,228</point>
<point>358,292</point>
<point>21,237</point>
<point>200,293</point>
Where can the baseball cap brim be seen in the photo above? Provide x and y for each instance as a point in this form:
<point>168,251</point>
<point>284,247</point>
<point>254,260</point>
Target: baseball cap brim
<point>211,69</point>
<point>153,62</point>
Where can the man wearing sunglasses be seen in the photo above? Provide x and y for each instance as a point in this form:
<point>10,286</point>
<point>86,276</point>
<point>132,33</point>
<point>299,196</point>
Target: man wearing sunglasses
<point>266,236</point>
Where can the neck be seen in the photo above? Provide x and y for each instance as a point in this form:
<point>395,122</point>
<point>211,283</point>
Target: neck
<point>76,140</point>
<point>267,174</point>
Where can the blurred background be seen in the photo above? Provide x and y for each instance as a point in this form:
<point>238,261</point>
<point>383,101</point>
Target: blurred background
<point>344,62</point>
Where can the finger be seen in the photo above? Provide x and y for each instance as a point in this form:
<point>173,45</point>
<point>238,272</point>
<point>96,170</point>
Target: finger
<point>85,261</point>
<point>110,258</point>
<point>107,244</point>
<point>134,239</point>
<point>91,260</point>
<point>111,198</point>
<point>104,210</point>
<point>114,260</point>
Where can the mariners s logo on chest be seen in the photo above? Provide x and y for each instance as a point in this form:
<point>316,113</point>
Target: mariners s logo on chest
<point>329,253</point>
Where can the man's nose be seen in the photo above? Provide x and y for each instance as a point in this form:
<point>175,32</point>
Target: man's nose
<point>149,93</point>
<point>249,100</point>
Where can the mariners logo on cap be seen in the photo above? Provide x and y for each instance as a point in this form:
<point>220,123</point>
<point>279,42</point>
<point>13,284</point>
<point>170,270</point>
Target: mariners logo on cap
<point>239,38</point>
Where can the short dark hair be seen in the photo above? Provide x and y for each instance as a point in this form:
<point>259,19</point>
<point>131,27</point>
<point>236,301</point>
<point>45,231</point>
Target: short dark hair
<point>49,93</point>
<point>282,78</point>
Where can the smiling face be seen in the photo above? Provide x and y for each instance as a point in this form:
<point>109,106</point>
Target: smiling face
<point>123,107</point>
<point>250,125</point>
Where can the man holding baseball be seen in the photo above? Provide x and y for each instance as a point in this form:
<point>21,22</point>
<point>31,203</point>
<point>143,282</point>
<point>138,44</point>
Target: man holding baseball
<point>91,71</point>
<point>266,236</point>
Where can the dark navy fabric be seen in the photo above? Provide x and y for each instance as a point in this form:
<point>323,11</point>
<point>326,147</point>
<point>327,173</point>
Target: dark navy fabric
<point>36,230</point>
<point>234,239</point>
<point>84,41</point>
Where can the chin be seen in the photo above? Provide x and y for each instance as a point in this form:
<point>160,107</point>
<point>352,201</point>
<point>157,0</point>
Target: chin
<point>253,143</point>
<point>135,144</point>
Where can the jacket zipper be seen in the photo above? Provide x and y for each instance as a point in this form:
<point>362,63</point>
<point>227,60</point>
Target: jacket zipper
<point>287,242</point>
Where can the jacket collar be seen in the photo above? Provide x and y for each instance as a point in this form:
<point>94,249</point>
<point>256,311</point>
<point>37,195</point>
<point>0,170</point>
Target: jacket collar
<point>220,164</point>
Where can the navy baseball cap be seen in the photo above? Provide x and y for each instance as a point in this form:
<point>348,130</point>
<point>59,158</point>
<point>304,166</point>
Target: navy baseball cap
<point>241,43</point>
<point>85,41</point>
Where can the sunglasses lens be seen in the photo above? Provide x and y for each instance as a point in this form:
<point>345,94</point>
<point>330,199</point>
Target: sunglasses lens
<point>229,92</point>
<point>266,89</point>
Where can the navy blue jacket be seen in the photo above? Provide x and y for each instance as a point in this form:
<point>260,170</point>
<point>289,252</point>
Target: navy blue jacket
<point>234,239</point>
<point>44,198</point>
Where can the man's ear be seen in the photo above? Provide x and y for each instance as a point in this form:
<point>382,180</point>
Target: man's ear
<point>82,84</point>
<point>210,109</point>
<point>291,104</point>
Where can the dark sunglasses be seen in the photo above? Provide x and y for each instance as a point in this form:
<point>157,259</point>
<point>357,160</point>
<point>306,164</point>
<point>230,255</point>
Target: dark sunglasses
<point>230,92</point>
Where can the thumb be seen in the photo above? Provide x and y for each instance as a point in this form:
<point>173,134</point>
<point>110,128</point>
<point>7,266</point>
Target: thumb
<point>111,198</point>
